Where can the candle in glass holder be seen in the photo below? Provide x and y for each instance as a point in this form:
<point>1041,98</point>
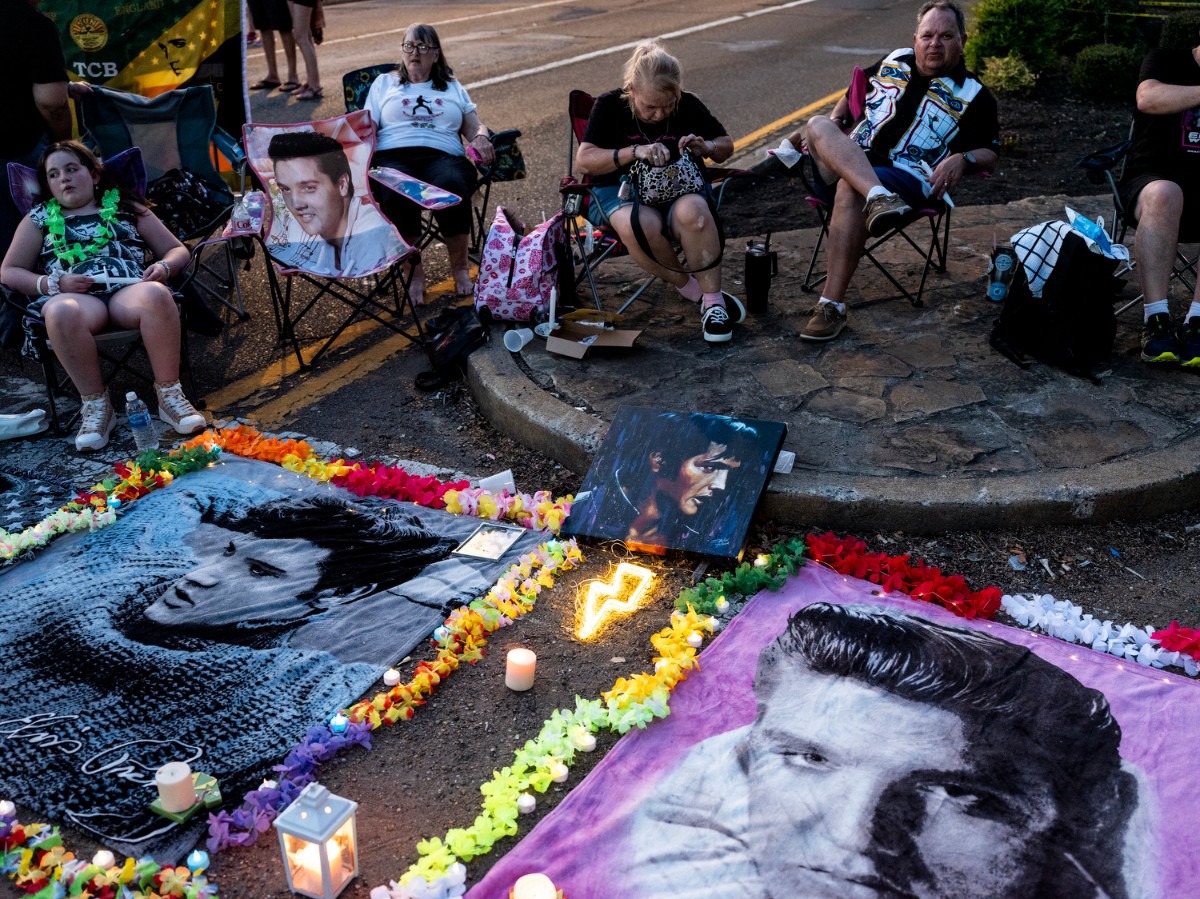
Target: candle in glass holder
<point>176,792</point>
<point>518,675</point>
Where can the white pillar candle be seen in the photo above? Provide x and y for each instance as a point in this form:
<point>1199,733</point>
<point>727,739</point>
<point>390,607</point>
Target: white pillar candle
<point>522,663</point>
<point>526,803</point>
<point>391,677</point>
<point>553,303</point>
<point>104,859</point>
<point>534,886</point>
<point>176,792</point>
<point>695,640</point>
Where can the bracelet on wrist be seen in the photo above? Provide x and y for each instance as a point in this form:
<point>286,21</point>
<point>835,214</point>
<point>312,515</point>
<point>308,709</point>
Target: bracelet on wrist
<point>617,158</point>
<point>52,280</point>
<point>166,267</point>
<point>38,286</point>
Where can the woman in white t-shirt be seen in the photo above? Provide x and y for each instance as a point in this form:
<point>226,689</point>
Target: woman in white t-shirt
<point>423,117</point>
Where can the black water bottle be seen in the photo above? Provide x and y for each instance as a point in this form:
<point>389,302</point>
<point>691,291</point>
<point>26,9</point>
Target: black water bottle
<point>761,265</point>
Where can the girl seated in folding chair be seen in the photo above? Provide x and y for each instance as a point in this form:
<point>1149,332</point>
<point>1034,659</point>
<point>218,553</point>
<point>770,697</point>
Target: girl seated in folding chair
<point>82,253</point>
<point>652,129</point>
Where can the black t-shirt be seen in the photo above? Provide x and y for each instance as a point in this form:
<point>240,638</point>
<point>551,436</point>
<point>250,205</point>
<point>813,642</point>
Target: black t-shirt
<point>30,53</point>
<point>612,125</point>
<point>1167,145</point>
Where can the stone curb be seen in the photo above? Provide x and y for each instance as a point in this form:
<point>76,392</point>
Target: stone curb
<point>1146,486</point>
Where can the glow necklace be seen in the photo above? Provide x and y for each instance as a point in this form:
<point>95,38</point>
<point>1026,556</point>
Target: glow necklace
<point>71,255</point>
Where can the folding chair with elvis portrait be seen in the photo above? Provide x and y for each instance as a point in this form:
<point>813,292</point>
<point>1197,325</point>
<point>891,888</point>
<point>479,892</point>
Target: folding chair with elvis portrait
<point>1106,167</point>
<point>509,164</point>
<point>180,141</point>
<point>324,234</point>
<point>934,213</point>
<point>592,244</point>
<point>116,347</point>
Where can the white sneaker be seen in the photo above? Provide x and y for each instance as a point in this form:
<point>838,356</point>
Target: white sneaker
<point>176,410</point>
<point>96,421</point>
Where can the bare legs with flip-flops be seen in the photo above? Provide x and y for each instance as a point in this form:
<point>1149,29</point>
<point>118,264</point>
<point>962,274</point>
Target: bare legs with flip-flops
<point>302,32</point>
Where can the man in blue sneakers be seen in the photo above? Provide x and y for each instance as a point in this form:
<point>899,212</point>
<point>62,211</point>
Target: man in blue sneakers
<point>1161,186</point>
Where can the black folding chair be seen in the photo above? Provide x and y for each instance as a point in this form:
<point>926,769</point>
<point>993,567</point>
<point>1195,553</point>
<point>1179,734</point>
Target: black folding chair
<point>178,135</point>
<point>365,273</point>
<point>931,252</point>
<point>1106,167</point>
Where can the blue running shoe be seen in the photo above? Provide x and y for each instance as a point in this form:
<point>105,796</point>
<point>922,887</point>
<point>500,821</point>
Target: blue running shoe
<point>1189,344</point>
<point>1159,343</point>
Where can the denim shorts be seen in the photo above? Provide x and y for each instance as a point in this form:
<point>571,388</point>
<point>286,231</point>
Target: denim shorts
<point>896,180</point>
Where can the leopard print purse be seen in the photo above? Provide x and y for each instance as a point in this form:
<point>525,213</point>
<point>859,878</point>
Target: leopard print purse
<point>661,185</point>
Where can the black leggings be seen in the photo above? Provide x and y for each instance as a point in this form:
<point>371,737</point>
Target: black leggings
<point>453,173</point>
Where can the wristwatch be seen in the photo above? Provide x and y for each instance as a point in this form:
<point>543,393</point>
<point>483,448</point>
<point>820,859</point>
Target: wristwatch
<point>970,158</point>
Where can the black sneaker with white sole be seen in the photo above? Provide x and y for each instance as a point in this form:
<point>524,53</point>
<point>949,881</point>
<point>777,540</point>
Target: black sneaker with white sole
<point>716,324</point>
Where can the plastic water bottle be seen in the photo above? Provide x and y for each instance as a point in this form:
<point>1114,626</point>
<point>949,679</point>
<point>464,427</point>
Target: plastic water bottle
<point>144,436</point>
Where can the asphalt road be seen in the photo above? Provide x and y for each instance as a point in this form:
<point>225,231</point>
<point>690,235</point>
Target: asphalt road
<point>753,63</point>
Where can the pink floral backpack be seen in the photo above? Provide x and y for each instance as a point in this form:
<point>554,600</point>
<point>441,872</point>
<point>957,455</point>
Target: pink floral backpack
<point>519,269</point>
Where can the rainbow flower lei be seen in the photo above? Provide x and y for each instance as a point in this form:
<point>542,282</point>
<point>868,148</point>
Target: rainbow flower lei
<point>33,857</point>
<point>93,509</point>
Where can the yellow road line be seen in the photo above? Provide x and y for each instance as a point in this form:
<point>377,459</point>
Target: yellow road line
<point>788,120</point>
<point>317,386</point>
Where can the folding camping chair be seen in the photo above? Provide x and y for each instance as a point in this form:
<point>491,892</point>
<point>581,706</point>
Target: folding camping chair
<point>116,347</point>
<point>592,245</point>
<point>936,214</point>
<point>177,133</point>
<point>508,166</point>
<point>933,254</point>
<point>1107,166</point>
<point>363,267</point>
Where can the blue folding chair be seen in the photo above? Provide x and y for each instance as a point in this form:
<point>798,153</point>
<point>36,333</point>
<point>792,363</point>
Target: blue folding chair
<point>178,135</point>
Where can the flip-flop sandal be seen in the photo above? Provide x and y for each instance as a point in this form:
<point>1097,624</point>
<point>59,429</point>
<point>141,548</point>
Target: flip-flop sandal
<point>288,86</point>
<point>265,84</point>
<point>311,95</point>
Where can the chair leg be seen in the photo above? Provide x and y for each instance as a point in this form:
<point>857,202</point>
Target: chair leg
<point>813,281</point>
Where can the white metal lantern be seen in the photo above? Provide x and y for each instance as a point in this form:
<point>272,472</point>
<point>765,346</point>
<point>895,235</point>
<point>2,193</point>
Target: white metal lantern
<point>319,843</point>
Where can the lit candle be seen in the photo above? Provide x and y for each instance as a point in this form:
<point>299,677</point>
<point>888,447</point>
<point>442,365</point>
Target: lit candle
<point>526,803</point>
<point>553,302</point>
<point>695,640</point>
<point>391,677</point>
<point>338,723</point>
<point>584,741</point>
<point>197,861</point>
<point>7,809</point>
<point>268,785</point>
<point>559,772</point>
<point>519,673</point>
<point>104,859</point>
<point>176,792</point>
<point>722,604</point>
<point>534,886</point>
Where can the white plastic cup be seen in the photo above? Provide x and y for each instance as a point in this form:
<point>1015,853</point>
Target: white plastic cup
<point>517,340</point>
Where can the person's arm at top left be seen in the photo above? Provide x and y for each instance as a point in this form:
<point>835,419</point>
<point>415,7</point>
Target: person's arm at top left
<point>54,106</point>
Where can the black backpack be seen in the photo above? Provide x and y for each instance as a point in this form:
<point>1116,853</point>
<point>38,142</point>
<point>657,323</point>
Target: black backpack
<point>1071,325</point>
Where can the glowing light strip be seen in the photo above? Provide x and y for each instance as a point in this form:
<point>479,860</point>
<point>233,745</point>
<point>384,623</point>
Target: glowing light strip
<point>602,602</point>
